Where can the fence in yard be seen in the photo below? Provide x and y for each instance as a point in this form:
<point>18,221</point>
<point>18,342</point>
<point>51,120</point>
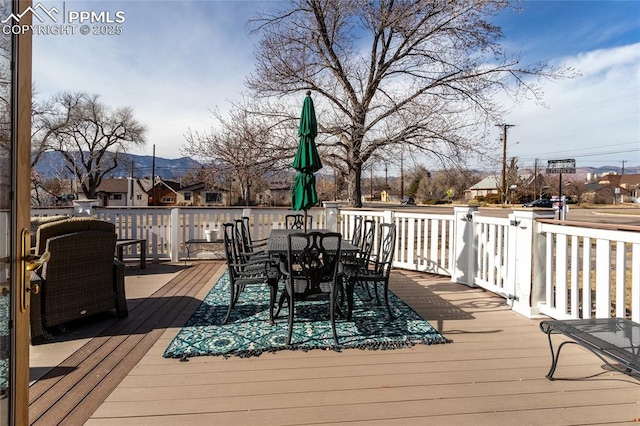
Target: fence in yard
<point>539,265</point>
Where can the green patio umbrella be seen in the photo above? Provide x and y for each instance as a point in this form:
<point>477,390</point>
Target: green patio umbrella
<point>307,161</point>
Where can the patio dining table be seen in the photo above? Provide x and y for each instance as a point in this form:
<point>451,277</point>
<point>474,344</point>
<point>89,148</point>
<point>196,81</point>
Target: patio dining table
<point>278,240</point>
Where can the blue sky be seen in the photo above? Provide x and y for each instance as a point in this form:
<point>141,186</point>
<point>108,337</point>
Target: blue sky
<point>176,60</point>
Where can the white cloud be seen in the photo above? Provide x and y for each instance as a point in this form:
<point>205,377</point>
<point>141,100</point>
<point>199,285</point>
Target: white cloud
<point>596,113</point>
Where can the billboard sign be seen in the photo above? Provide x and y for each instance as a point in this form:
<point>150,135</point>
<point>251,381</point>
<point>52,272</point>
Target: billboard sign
<point>561,166</point>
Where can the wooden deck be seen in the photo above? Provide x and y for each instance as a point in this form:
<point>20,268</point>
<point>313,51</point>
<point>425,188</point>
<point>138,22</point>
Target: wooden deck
<point>492,373</point>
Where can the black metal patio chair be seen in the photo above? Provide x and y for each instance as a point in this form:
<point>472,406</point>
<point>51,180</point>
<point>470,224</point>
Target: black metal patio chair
<point>312,273</point>
<point>296,221</point>
<point>246,247</point>
<point>356,236</point>
<point>378,271</point>
<point>362,259</point>
<point>244,272</point>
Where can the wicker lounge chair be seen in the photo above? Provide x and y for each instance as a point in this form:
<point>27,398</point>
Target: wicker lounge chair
<point>81,278</point>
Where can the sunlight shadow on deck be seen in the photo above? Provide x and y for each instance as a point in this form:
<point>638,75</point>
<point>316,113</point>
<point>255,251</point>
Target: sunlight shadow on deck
<point>420,291</point>
<point>51,371</point>
<point>425,302</point>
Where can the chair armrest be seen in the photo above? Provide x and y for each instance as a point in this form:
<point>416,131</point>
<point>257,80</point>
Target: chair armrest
<point>119,289</point>
<point>284,268</point>
<point>259,256</point>
<point>253,253</point>
<point>248,266</point>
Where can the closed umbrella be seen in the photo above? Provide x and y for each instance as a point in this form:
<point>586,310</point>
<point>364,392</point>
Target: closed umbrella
<point>306,161</point>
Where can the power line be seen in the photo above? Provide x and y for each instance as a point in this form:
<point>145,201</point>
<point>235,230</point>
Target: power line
<point>589,152</point>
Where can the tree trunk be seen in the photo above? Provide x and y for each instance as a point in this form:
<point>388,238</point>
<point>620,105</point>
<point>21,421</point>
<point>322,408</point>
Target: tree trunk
<point>354,189</point>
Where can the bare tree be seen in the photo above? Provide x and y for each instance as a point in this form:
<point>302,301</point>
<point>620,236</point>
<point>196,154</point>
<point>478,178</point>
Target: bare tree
<point>576,189</point>
<point>90,135</point>
<point>243,145</point>
<point>438,185</point>
<point>421,74</point>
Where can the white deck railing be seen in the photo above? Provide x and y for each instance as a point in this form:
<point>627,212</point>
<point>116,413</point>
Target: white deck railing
<point>492,241</point>
<point>542,267</point>
<point>591,272</point>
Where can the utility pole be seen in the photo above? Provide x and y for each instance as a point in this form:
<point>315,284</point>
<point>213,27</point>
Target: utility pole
<point>504,159</point>
<point>623,161</point>
<point>535,180</point>
<point>386,179</point>
<point>401,175</point>
<point>153,176</point>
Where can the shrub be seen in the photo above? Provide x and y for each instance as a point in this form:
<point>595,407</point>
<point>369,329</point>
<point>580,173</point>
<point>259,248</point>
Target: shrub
<point>492,199</point>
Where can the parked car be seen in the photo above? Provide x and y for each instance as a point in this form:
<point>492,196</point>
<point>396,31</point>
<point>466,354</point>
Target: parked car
<point>408,201</point>
<point>542,202</point>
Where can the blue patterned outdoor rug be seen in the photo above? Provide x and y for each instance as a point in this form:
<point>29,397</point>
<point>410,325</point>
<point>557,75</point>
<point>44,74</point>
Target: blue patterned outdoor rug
<point>248,332</point>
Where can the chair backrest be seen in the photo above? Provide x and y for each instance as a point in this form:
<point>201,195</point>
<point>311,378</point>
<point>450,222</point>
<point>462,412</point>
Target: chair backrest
<point>79,276</point>
<point>296,221</point>
<point>247,228</point>
<point>242,237</point>
<point>230,248</point>
<point>356,236</point>
<point>313,260</point>
<point>386,249</point>
<point>368,238</point>
<point>69,226</point>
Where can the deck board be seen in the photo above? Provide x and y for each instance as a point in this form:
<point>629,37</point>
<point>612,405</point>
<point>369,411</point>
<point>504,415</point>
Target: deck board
<point>492,373</point>
<point>93,371</point>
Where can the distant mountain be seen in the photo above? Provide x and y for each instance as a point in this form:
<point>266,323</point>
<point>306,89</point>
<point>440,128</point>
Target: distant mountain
<point>52,164</point>
<point>611,169</point>
<point>140,166</point>
<point>582,173</point>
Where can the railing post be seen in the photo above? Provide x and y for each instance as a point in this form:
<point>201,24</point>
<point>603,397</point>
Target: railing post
<point>174,241</point>
<point>388,216</point>
<point>539,267</point>
<point>519,262</point>
<point>464,246</point>
<point>331,211</point>
<point>246,212</point>
<point>525,272</point>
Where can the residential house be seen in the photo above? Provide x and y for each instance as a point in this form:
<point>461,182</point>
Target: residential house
<point>488,185</point>
<point>120,192</point>
<point>278,194</point>
<point>631,184</point>
<point>191,194</point>
<point>613,188</point>
<point>369,197</point>
<point>388,196</point>
<point>199,195</point>
<point>165,193</point>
